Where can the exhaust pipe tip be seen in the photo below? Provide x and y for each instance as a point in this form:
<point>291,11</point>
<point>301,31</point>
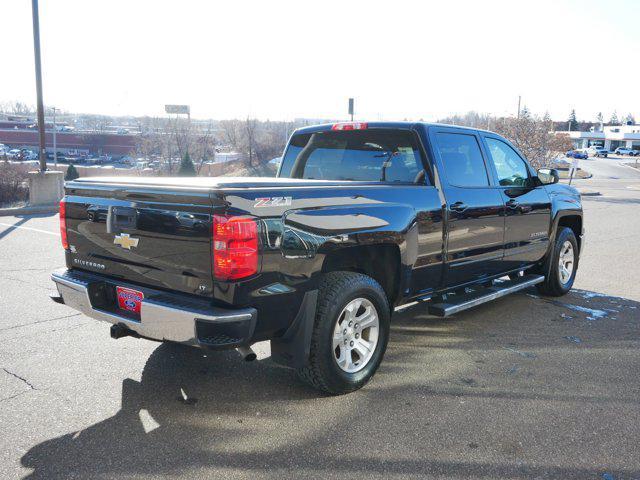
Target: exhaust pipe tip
<point>56,297</point>
<point>118,331</point>
<point>248,355</point>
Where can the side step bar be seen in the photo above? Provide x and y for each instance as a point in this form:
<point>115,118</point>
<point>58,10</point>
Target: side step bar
<point>457,303</point>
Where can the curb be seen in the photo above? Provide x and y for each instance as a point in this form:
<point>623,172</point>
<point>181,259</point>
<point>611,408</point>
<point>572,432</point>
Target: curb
<point>28,210</point>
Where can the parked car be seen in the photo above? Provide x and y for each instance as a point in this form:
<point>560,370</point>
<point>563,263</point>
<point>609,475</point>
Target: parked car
<point>28,154</point>
<point>577,154</point>
<point>627,151</point>
<point>316,259</point>
<point>597,151</point>
<point>14,153</point>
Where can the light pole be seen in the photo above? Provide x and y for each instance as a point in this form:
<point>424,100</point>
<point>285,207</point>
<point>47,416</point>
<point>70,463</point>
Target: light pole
<point>36,54</point>
<point>55,130</point>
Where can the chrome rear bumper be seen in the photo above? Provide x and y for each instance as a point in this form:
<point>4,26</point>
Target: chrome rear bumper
<point>163,316</point>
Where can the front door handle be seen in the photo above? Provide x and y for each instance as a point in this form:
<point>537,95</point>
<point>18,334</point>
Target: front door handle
<point>458,207</point>
<point>513,204</point>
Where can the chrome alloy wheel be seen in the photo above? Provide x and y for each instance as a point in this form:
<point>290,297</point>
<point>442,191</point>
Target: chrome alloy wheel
<point>355,335</point>
<point>566,262</point>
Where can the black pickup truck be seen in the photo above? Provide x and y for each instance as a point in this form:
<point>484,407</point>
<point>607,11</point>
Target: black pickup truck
<point>361,218</point>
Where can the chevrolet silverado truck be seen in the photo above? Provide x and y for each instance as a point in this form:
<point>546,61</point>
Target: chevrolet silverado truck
<point>361,219</point>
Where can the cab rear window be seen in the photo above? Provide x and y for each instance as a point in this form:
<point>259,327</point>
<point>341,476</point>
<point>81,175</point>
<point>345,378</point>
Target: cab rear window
<point>376,155</point>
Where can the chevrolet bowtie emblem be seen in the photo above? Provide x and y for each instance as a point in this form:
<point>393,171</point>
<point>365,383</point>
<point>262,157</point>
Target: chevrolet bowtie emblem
<point>125,241</point>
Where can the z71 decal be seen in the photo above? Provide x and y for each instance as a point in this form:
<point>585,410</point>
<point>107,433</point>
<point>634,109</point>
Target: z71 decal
<point>273,202</point>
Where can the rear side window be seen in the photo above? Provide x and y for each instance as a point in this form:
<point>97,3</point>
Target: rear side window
<point>376,155</point>
<point>462,160</point>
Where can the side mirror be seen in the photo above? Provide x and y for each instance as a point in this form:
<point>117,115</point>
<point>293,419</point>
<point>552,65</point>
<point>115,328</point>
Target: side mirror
<point>548,176</point>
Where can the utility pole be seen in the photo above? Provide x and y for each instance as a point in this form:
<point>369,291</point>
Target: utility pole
<point>519,98</point>
<point>36,54</point>
<point>55,130</point>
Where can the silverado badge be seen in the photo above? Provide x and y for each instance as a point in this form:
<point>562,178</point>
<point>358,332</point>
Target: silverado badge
<point>125,241</point>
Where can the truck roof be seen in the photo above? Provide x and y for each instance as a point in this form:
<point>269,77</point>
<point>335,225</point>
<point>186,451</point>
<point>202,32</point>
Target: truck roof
<point>404,125</point>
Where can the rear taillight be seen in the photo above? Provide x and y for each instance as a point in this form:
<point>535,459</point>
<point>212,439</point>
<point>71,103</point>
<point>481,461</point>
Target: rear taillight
<point>235,247</point>
<point>350,126</point>
<point>63,224</point>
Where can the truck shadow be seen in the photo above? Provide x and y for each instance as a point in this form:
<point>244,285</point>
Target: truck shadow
<point>210,414</point>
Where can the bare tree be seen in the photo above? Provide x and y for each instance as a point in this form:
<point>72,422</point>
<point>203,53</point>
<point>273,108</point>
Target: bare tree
<point>534,137</point>
<point>231,133</point>
<point>204,146</point>
<point>18,108</point>
<point>249,138</point>
<point>614,119</point>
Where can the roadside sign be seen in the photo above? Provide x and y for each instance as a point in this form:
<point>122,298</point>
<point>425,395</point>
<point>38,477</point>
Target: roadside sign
<point>177,109</point>
<point>351,107</point>
<point>574,167</point>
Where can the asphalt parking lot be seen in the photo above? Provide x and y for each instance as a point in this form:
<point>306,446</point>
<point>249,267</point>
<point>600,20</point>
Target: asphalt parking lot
<point>524,387</point>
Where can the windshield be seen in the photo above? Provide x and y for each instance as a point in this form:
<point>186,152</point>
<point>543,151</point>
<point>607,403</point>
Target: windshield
<point>361,155</point>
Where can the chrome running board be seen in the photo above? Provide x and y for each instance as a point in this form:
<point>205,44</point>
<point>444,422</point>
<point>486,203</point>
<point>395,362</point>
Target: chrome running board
<point>457,303</point>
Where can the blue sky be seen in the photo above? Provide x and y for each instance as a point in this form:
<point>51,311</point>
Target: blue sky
<point>286,59</point>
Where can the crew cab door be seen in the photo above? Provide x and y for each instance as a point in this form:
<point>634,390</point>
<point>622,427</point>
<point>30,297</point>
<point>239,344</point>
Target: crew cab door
<point>528,206</point>
<point>474,207</point>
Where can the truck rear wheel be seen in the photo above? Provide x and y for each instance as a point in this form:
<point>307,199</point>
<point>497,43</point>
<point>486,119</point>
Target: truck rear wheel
<point>561,272</point>
<point>350,333</point>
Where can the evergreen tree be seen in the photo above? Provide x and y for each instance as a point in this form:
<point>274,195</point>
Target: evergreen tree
<point>599,117</point>
<point>629,119</point>
<point>614,119</point>
<point>573,122</point>
<point>72,173</point>
<point>186,167</point>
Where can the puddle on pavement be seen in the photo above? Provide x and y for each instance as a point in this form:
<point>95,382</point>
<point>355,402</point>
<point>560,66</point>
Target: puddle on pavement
<point>608,305</point>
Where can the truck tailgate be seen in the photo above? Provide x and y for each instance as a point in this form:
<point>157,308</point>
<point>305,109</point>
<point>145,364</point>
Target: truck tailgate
<point>147,235</point>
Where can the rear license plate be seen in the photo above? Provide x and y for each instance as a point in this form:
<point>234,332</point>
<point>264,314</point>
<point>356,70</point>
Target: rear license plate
<point>129,300</point>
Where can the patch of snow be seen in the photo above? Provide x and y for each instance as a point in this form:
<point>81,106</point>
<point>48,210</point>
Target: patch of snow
<point>592,312</point>
<point>522,354</point>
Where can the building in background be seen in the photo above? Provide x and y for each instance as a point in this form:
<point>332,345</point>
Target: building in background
<point>609,137</point>
<point>23,133</point>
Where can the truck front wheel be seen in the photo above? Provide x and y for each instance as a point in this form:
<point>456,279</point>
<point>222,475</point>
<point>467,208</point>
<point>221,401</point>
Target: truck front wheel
<point>350,333</point>
<point>563,265</point>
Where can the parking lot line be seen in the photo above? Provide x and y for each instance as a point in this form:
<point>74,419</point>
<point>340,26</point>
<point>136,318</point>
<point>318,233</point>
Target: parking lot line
<point>29,228</point>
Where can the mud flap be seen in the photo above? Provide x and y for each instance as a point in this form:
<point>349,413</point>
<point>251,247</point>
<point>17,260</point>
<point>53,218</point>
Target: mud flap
<point>292,349</point>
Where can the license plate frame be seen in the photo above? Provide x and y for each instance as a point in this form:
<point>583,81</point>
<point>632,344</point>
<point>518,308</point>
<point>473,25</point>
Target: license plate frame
<point>129,300</point>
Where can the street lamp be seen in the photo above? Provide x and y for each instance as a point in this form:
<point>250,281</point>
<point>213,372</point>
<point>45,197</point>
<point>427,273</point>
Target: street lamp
<point>36,54</point>
<point>55,130</point>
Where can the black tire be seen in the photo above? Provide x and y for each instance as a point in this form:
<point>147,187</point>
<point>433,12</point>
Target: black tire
<point>337,289</point>
<point>553,285</point>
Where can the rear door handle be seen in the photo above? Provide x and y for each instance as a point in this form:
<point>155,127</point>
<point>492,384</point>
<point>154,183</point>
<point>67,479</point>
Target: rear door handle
<point>513,204</point>
<point>458,207</point>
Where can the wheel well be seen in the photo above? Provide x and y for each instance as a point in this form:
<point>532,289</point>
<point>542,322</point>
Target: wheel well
<point>574,222</point>
<point>380,262</point>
